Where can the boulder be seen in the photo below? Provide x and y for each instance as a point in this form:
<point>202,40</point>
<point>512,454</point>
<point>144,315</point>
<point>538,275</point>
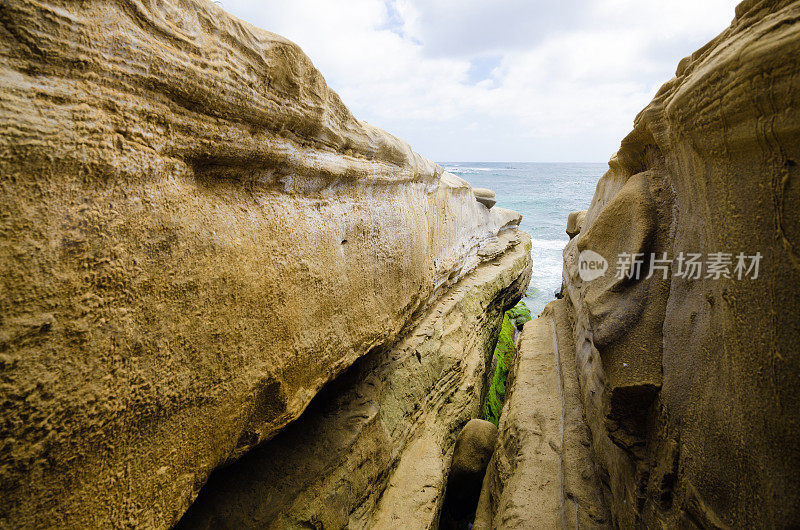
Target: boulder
<point>471,455</point>
<point>484,196</point>
<point>575,223</point>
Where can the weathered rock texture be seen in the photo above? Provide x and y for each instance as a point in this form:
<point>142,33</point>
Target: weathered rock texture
<point>196,236</point>
<point>484,196</point>
<point>542,474</point>
<point>575,223</point>
<point>373,451</point>
<point>690,386</point>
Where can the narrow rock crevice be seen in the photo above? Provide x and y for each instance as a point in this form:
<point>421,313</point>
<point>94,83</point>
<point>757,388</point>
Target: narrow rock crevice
<point>373,448</point>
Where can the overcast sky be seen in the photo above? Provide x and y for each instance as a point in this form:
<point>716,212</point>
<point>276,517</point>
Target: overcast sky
<point>496,80</point>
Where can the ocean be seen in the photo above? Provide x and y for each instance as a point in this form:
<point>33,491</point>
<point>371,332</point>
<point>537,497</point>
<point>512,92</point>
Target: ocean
<point>544,194</point>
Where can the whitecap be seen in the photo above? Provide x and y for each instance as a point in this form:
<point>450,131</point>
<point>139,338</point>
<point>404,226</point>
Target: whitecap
<point>468,170</point>
<point>549,244</point>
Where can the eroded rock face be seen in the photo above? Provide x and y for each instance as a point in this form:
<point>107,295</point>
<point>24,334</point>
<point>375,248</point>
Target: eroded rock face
<point>691,385</point>
<point>197,236</point>
<point>372,451</point>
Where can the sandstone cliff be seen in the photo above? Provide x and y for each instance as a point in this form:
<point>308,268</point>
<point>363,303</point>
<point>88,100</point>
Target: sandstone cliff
<point>373,451</point>
<point>690,386</point>
<point>197,235</point>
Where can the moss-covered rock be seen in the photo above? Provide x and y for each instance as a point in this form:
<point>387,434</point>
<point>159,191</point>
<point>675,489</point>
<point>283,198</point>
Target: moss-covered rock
<point>503,355</point>
<point>519,314</point>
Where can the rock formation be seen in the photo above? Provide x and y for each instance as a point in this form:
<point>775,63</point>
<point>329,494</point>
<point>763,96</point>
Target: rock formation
<point>542,474</point>
<point>372,452</point>
<point>197,237</point>
<point>485,197</point>
<point>575,223</point>
<point>689,383</point>
<point>471,454</point>
<point>212,269</point>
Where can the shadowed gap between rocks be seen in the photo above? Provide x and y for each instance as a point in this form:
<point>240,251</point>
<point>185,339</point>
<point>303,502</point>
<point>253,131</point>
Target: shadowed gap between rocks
<point>333,462</point>
<point>476,441</point>
<point>251,492</point>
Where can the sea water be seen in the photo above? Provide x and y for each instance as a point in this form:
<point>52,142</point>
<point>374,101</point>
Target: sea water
<point>544,194</point>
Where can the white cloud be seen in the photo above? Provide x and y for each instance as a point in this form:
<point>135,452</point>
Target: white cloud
<point>513,80</point>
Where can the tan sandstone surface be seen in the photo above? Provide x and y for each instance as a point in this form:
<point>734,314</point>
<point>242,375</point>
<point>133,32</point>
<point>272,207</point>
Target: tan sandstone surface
<point>197,235</point>
<point>373,452</point>
<point>690,386</point>
<point>542,473</point>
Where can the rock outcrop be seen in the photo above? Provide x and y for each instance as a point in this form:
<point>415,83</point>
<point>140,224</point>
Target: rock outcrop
<point>485,197</point>
<point>689,381</point>
<point>197,237</point>
<point>373,451</point>
<point>575,223</point>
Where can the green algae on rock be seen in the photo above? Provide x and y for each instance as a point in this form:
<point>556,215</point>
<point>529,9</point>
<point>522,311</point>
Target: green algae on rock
<point>503,355</point>
<point>519,314</point>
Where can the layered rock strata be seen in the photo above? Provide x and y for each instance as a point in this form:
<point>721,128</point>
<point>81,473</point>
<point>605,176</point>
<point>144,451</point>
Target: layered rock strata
<point>197,237</point>
<point>691,385</point>
<point>689,379</point>
<point>374,451</point>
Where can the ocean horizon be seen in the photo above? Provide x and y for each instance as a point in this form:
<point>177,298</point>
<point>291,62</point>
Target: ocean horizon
<point>544,193</point>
